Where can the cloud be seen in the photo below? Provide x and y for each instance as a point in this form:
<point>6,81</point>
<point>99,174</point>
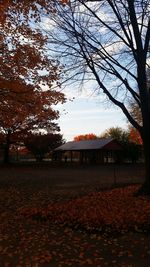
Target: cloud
<point>88,91</point>
<point>47,23</point>
<point>93,111</point>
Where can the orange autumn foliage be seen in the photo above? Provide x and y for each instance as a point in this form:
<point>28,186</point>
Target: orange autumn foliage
<point>135,137</point>
<point>81,137</point>
<point>27,74</point>
<point>115,210</point>
<point>25,7</point>
<point>23,57</point>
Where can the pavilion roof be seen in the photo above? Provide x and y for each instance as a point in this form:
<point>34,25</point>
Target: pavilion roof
<point>85,145</point>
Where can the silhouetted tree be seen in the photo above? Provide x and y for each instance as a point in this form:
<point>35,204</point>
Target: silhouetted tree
<point>40,144</point>
<point>108,42</point>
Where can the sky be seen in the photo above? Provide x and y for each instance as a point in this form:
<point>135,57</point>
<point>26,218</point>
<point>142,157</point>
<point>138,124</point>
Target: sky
<point>87,114</point>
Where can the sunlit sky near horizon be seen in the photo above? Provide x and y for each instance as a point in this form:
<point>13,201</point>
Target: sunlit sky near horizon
<point>87,114</point>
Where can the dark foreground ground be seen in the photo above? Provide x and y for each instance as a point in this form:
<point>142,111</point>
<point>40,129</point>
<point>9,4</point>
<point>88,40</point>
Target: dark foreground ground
<point>28,243</point>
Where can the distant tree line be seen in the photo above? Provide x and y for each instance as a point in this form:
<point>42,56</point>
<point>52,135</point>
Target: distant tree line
<point>37,144</point>
<point>129,139</point>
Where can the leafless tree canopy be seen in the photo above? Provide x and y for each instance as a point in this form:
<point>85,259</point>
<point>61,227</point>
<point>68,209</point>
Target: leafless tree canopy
<point>107,42</point>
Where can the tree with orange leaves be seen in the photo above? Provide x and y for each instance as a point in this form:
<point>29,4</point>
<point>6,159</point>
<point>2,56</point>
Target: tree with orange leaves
<point>27,75</point>
<point>82,137</point>
<point>23,58</point>
<point>134,136</point>
<point>33,115</point>
<point>40,144</point>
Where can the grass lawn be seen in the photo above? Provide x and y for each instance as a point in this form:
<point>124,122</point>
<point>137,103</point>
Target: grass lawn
<point>57,216</point>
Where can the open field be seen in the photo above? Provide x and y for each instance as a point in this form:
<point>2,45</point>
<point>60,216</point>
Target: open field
<point>25,242</point>
<point>66,182</point>
<point>76,177</point>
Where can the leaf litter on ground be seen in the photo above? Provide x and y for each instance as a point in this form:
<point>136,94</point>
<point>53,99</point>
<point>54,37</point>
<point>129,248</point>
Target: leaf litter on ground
<point>114,210</point>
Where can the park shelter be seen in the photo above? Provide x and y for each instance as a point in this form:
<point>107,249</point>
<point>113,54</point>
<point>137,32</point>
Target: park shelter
<point>90,151</point>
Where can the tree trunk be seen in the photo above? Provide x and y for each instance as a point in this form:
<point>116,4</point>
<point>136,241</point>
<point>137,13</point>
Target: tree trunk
<point>145,189</point>
<point>145,109</point>
<point>6,148</point>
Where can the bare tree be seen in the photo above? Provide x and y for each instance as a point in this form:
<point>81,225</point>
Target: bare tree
<point>107,41</point>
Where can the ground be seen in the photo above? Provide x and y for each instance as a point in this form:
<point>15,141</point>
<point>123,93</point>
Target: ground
<point>26,242</point>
